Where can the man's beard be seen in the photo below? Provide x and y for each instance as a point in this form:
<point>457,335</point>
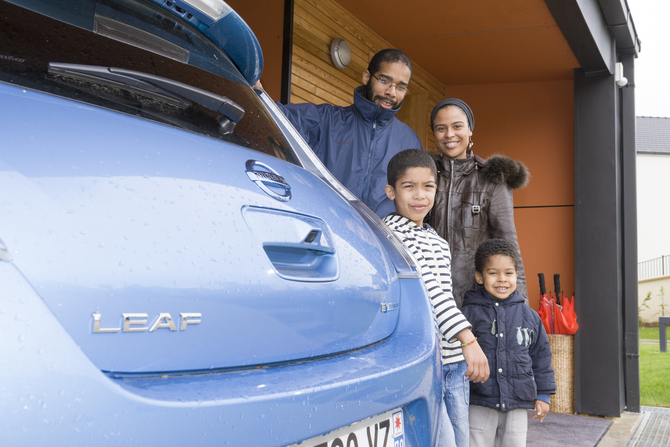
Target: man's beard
<point>369,96</point>
<point>368,91</point>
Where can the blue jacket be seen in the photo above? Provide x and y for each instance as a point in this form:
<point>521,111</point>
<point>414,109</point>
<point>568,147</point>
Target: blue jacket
<point>355,143</point>
<point>512,336</point>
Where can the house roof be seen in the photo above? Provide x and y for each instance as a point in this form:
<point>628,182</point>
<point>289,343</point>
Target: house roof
<point>652,135</point>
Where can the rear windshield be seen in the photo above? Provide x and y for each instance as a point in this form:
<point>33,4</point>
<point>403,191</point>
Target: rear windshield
<point>137,38</point>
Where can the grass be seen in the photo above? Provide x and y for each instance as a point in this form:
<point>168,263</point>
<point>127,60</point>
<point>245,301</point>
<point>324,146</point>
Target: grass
<point>654,375</point>
<point>651,333</point>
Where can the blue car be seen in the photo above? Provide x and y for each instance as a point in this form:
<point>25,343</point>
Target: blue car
<point>176,265</point>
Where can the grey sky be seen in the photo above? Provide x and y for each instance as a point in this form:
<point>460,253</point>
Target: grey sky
<point>652,67</point>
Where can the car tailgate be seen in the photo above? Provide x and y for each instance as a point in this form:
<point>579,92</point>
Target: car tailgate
<point>160,250</point>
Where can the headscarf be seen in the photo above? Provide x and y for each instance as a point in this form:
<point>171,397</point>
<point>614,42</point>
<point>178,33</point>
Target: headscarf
<point>454,102</point>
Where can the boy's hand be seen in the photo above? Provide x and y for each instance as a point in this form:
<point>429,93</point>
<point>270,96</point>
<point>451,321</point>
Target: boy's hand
<point>541,410</point>
<point>478,364</point>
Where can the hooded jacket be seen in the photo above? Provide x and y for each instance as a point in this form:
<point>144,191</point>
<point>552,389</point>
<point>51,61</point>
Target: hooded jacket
<point>512,336</point>
<point>474,203</point>
<point>355,143</point>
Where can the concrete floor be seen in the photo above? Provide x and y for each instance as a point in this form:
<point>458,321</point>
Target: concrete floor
<point>622,430</point>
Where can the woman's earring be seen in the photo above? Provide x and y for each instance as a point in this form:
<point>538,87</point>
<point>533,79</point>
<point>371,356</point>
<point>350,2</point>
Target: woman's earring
<point>471,143</point>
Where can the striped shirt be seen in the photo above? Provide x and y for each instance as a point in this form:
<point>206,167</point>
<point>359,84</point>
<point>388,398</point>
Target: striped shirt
<point>434,258</point>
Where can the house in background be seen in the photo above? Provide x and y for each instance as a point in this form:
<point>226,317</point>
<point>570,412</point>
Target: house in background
<point>653,183</point>
<point>541,78</point>
<point>653,215</point>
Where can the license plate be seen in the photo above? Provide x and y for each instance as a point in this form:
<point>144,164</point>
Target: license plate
<point>384,430</point>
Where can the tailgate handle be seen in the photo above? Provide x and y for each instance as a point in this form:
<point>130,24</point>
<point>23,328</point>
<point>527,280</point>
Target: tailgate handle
<point>303,261</point>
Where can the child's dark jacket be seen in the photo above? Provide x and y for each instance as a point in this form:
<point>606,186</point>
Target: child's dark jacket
<point>517,349</point>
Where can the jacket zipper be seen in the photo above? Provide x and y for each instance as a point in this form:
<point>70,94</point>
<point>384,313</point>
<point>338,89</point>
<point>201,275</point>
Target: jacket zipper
<point>451,185</point>
<point>367,167</point>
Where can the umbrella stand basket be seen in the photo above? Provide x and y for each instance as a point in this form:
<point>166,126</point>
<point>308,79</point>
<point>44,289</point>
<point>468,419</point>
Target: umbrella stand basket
<point>563,362</point>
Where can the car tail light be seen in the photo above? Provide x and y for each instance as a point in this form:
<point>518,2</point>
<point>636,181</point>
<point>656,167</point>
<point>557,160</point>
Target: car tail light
<point>213,9</point>
<point>404,263</point>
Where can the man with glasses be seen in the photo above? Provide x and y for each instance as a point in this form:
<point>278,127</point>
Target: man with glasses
<point>357,142</point>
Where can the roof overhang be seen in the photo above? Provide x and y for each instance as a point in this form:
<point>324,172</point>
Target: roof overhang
<point>596,30</point>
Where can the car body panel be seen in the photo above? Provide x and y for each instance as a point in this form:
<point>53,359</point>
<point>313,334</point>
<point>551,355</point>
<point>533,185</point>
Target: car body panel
<point>52,393</point>
<point>132,229</point>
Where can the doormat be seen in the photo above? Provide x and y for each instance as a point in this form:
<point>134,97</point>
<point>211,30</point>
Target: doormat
<point>565,430</point>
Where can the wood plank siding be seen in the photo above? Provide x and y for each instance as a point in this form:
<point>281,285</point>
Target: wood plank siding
<point>315,79</point>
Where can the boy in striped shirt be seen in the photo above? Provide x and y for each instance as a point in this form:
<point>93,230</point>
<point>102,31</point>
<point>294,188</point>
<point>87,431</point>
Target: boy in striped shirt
<point>411,185</point>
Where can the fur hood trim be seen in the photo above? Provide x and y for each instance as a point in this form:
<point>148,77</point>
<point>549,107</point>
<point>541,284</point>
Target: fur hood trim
<point>500,169</point>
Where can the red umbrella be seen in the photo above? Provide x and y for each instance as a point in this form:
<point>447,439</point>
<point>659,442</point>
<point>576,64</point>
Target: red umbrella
<point>565,320</point>
<point>557,287</point>
<point>545,309</point>
<point>561,326</point>
<point>569,313</point>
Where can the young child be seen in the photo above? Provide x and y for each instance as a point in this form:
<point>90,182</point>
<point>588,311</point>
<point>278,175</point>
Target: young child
<point>513,338</point>
<point>411,185</point>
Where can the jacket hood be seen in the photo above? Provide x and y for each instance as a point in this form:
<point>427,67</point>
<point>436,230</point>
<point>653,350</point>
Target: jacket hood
<point>479,297</point>
<point>369,110</point>
<point>500,169</point>
<point>497,169</point>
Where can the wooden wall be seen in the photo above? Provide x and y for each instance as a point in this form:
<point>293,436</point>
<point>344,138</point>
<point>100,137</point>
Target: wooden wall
<point>315,79</point>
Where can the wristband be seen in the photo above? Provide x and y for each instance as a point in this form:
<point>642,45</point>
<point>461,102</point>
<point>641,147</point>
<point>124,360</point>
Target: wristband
<point>470,342</point>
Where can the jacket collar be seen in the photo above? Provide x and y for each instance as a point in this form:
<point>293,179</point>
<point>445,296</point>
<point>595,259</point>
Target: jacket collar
<point>370,111</point>
<point>395,220</point>
<point>480,297</point>
<point>463,165</point>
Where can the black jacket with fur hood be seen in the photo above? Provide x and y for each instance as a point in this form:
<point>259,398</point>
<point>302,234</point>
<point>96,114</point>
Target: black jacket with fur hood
<point>474,203</point>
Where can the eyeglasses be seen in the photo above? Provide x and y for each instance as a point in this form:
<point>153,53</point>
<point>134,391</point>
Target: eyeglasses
<point>387,84</point>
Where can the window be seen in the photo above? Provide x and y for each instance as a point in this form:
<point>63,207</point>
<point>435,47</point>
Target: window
<point>35,46</point>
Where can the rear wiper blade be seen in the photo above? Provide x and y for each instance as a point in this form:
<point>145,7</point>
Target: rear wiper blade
<point>164,89</point>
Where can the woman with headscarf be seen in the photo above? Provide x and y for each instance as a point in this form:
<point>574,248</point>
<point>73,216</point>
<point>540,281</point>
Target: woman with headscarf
<point>474,196</point>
